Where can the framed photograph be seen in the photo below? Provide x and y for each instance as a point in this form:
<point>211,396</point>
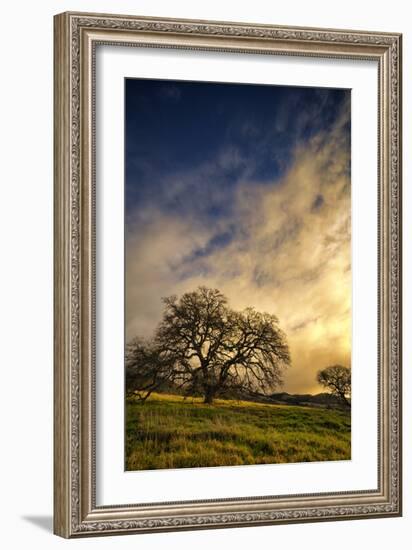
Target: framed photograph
<point>227,274</point>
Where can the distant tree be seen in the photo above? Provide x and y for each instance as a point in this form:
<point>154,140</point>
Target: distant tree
<point>337,379</point>
<point>203,347</point>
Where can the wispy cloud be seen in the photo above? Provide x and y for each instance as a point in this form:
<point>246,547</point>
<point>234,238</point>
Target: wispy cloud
<point>170,92</point>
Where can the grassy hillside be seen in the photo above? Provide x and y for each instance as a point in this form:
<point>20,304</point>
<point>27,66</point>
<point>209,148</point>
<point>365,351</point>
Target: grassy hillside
<point>170,432</point>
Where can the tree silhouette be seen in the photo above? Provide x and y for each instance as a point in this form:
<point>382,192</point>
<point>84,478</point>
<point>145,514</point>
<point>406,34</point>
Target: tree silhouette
<point>203,347</point>
<point>337,379</point>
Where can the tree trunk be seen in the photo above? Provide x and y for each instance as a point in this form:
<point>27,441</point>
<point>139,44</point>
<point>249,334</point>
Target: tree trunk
<point>209,395</point>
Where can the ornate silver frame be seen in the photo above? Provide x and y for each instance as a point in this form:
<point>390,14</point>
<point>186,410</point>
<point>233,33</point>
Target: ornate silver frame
<point>75,38</point>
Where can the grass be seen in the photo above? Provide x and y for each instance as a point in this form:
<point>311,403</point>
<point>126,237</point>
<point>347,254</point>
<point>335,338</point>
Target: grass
<point>171,432</point>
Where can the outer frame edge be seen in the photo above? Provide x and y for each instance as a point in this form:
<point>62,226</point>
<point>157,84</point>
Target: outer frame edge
<point>61,220</point>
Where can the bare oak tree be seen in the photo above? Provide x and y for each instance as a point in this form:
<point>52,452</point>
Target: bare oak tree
<point>337,379</point>
<point>203,347</point>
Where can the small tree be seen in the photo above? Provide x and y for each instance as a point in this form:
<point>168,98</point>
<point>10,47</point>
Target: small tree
<point>337,379</point>
<point>203,346</point>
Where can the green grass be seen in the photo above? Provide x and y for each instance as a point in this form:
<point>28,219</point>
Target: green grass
<point>171,432</point>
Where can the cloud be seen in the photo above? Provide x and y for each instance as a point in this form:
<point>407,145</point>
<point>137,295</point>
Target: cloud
<point>170,92</point>
<point>283,246</point>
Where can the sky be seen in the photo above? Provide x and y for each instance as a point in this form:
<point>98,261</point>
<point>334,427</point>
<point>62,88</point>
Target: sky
<point>244,188</point>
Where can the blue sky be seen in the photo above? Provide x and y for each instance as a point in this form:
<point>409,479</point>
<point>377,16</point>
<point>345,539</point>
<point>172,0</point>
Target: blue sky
<point>247,188</point>
<point>249,132</point>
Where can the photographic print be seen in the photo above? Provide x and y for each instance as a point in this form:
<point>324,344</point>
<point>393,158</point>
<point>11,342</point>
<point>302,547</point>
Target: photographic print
<point>237,274</point>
